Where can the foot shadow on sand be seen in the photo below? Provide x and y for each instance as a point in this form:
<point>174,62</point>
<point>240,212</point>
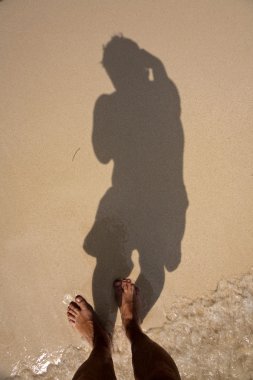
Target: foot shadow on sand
<point>138,127</point>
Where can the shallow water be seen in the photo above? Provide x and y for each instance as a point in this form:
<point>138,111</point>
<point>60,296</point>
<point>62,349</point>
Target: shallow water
<point>209,338</point>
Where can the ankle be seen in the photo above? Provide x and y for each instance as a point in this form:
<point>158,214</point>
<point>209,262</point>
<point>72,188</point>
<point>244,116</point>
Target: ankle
<point>133,329</point>
<point>101,354</point>
<point>102,341</point>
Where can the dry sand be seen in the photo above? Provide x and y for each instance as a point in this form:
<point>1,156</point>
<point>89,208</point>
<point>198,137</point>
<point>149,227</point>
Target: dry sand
<point>52,181</point>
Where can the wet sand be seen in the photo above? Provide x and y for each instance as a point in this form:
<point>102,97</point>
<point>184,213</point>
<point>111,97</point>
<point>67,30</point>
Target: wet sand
<point>209,338</point>
<point>52,182</point>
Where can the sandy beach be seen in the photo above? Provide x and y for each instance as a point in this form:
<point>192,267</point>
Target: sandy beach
<point>54,185</point>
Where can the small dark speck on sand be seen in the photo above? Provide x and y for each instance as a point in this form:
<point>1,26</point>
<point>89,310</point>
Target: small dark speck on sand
<point>75,151</point>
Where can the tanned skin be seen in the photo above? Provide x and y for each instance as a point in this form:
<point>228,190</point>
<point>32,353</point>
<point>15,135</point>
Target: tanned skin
<point>150,361</point>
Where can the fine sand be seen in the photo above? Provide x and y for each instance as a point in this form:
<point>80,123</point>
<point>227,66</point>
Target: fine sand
<point>52,181</point>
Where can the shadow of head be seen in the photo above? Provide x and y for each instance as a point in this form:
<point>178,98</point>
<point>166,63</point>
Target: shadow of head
<point>123,62</point>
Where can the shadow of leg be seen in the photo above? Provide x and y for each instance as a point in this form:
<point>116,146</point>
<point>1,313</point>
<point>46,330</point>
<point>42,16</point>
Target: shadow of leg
<point>105,273</point>
<point>150,282</point>
<point>107,242</point>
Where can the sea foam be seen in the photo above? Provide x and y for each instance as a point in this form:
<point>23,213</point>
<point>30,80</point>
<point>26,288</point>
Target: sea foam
<point>210,338</point>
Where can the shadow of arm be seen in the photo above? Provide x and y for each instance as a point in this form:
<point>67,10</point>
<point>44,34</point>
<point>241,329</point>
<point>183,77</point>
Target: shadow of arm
<point>101,136</point>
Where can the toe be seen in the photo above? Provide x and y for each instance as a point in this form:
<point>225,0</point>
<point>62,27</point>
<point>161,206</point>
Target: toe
<point>71,311</point>
<point>74,307</point>
<point>82,303</point>
<point>71,317</point>
<point>126,284</point>
<point>117,283</point>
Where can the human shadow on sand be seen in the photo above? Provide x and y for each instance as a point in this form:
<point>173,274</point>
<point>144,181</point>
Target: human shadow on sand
<point>138,127</point>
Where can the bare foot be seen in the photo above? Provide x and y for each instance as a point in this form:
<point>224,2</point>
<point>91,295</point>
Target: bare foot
<point>127,297</point>
<point>83,318</point>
